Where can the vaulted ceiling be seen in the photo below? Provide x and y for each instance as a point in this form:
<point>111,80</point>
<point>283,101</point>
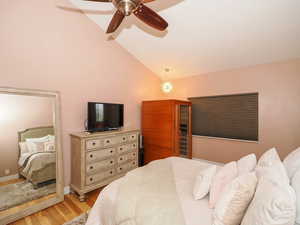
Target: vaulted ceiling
<point>207,35</point>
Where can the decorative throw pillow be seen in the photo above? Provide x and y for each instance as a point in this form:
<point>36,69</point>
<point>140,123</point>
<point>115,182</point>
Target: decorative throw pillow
<point>23,147</point>
<point>272,204</point>
<point>276,173</point>
<point>49,146</point>
<point>292,162</point>
<point>35,146</point>
<point>223,177</point>
<point>203,182</point>
<point>233,203</point>
<point>269,157</point>
<point>296,186</point>
<point>246,164</point>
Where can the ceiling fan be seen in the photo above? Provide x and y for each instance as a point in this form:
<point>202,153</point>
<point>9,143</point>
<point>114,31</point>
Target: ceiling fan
<point>127,7</point>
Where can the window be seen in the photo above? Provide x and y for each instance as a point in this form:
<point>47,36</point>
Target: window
<point>227,116</point>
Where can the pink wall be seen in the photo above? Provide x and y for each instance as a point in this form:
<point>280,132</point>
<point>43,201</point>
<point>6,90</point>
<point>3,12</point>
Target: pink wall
<point>18,113</point>
<point>45,47</point>
<point>278,85</point>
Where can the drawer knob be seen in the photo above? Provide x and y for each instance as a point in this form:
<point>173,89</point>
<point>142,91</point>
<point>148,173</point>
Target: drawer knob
<point>111,162</point>
<point>124,138</point>
<point>91,156</point>
<point>94,143</point>
<point>121,149</point>
<point>121,159</point>
<point>111,151</point>
<point>91,179</point>
<point>133,145</point>
<point>111,172</point>
<point>120,168</point>
<point>132,136</point>
<point>107,141</point>
<point>91,167</point>
<point>133,154</point>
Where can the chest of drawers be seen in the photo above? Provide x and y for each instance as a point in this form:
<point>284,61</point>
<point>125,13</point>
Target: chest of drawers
<point>99,158</point>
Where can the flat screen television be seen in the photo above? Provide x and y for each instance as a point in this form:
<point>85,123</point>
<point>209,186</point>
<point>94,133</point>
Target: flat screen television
<point>104,116</point>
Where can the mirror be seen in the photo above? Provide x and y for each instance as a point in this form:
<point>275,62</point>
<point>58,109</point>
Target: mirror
<point>31,174</point>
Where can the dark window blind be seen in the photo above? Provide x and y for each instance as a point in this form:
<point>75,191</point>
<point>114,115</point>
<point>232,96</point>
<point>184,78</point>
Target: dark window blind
<point>228,116</point>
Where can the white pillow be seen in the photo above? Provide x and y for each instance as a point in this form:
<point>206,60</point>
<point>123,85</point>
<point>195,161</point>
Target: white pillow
<point>296,186</point>
<point>203,182</point>
<point>42,139</point>
<point>233,203</point>
<point>269,157</point>
<point>223,177</point>
<point>272,204</point>
<point>23,147</point>
<point>276,173</point>
<point>292,162</point>
<point>246,164</point>
<point>34,147</point>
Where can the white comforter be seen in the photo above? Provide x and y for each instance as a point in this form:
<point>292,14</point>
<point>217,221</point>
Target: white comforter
<point>185,171</point>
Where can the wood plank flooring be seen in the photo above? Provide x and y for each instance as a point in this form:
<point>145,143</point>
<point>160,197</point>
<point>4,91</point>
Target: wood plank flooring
<point>60,213</point>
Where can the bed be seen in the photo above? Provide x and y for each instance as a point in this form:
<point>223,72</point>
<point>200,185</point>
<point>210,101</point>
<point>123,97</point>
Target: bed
<point>38,168</point>
<point>184,170</point>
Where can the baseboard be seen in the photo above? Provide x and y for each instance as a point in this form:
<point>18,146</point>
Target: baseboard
<point>10,177</point>
<point>207,161</point>
<point>66,190</point>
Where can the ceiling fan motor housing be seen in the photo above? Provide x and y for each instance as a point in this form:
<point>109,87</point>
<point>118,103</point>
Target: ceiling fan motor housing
<point>126,6</point>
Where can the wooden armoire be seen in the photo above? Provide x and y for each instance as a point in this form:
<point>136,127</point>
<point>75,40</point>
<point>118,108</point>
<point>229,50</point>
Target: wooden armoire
<point>166,129</point>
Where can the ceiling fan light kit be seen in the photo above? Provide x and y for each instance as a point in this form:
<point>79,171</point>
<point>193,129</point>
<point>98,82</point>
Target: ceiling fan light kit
<point>136,7</point>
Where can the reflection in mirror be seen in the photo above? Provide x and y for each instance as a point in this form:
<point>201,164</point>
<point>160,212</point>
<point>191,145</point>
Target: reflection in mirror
<point>27,150</point>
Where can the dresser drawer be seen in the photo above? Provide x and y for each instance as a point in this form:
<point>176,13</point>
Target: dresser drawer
<point>132,137</point>
<point>104,164</point>
<point>100,154</point>
<point>127,166</point>
<point>99,176</point>
<point>91,144</point>
<point>123,148</point>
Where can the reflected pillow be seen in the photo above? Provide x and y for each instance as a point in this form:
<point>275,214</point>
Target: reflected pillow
<point>276,173</point>
<point>292,162</point>
<point>246,164</point>
<point>269,157</point>
<point>42,139</point>
<point>203,182</point>
<point>23,147</point>
<point>49,146</point>
<point>35,147</point>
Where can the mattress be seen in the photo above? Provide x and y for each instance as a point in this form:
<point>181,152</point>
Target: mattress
<point>185,171</point>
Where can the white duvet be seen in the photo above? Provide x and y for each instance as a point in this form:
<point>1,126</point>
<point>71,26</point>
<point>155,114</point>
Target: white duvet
<point>196,212</point>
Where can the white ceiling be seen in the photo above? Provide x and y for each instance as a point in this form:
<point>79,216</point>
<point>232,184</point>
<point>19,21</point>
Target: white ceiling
<point>207,35</point>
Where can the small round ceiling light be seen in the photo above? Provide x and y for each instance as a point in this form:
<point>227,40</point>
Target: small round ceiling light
<point>167,86</point>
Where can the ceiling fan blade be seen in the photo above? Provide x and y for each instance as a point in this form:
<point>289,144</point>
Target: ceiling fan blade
<point>115,22</point>
<point>146,1</point>
<point>150,17</point>
<point>98,0</point>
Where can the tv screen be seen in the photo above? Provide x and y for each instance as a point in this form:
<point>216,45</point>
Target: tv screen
<point>104,116</point>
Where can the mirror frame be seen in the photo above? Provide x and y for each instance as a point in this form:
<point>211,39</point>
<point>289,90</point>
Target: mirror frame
<point>59,196</point>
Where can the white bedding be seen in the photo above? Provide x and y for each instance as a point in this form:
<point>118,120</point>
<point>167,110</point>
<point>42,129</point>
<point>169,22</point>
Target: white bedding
<point>196,212</point>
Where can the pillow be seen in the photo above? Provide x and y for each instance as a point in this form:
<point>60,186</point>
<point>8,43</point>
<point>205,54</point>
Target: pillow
<point>268,158</point>
<point>203,182</point>
<point>42,139</point>
<point>23,147</point>
<point>276,173</point>
<point>246,164</point>
<point>49,146</point>
<point>272,204</point>
<point>34,147</point>
<point>296,186</point>
<point>233,203</point>
<point>292,162</point>
<point>223,177</point>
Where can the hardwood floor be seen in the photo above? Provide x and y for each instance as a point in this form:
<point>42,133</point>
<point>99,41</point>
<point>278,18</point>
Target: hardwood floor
<point>63,212</point>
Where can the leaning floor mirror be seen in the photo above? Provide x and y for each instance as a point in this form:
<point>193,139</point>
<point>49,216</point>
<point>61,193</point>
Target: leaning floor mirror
<point>31,171</point>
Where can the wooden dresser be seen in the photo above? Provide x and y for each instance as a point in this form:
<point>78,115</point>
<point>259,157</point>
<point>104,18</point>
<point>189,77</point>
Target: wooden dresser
<point>166,129</point>
<point>99,158</point>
